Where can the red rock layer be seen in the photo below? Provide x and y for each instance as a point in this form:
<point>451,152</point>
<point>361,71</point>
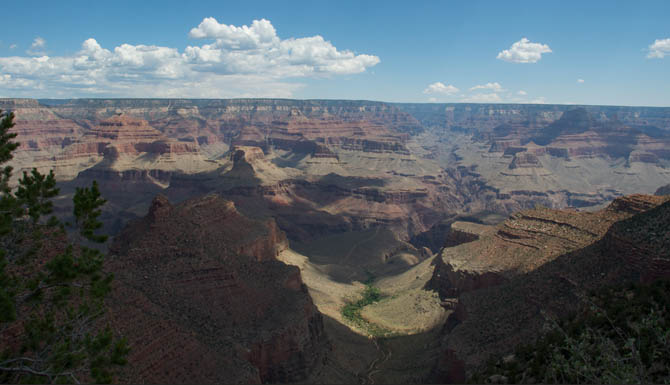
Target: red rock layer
<point>525,160</point>
<point>201,284</point>
<point>578,134</point>
<point>299,133</point>
<point>128,135</point>
<point>42,133</point>
<point>526,241</point>
<point>494,319</point>
<point>284,123</point>
<point>355,203</point>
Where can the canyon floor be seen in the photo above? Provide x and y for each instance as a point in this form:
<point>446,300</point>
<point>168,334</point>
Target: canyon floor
<point>408,316</point>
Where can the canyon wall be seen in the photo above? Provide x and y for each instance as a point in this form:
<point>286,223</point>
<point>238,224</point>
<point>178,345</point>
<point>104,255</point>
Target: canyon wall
<point>485,117</point>
<point>202,298</point>
<point>502,302</point>
<point>321,166</point>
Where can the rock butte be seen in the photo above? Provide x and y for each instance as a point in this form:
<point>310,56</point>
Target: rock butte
<point>202,298</point>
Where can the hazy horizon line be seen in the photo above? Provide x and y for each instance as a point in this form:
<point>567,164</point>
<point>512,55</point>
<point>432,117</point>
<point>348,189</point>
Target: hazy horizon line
<point>337,99</point>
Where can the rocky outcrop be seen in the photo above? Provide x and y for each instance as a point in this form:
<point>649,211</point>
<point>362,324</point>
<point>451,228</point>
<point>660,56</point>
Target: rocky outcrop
<point>493,319</point>
<point>643,157</point>
<point>450,282</point>
<point>643,241</point>
<point>522,243</point>
<point>531,238</point>
<point>525,159</point>
<point>119,142</point>
<point>503,145</point>
<point>663,190</point>
<point>122,135</point>
<point>199,285</point>
<point>448,233</point>
<point>303,134</point>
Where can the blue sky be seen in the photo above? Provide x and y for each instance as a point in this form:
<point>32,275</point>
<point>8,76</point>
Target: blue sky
<point>420,51</point>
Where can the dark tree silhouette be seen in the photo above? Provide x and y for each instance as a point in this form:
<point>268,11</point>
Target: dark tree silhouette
<point>51,288</point>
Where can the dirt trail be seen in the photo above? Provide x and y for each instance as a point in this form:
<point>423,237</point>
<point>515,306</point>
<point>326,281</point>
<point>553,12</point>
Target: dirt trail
<point>355,245</point>
<point>384,355</point>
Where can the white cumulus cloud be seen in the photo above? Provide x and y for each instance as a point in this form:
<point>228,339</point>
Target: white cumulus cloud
<point>659,49</point>
<point>522,93</point>
<point>495,87</point>
<point>524,51</point>
<point>246,61</point>
<point>37,47</point>
<point>440,88</point>
<point>258,49</point>
<point>260,34</point>
<point>580,81</point>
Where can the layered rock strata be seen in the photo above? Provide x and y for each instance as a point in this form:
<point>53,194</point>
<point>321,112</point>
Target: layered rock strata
<point>202,298</point>
<point>357,163</point>
<point>508,302</point>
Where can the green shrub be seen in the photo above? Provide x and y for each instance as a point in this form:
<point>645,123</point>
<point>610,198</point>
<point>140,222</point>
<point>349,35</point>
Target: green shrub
<point>622,335</point>
<point>352,311</point>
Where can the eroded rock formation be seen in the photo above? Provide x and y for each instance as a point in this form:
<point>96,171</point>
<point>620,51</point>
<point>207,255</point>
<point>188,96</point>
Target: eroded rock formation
<point>202,298</point>
<point>348,164</point>
<point>507,302</point>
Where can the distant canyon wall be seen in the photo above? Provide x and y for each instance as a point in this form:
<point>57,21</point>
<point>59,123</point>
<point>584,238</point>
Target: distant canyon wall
<point>483,117</point>
<point>349,162</point>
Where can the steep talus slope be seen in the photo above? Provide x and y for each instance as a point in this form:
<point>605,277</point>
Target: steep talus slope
<point>202,298</point>
<point>498,316</point>
<point>131,161</point>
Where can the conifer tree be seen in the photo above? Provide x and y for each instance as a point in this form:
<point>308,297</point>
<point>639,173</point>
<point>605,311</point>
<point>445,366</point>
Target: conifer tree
<point>51,288</point>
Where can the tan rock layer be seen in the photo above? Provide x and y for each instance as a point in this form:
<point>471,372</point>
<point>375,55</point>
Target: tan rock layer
<point>493,319</point>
